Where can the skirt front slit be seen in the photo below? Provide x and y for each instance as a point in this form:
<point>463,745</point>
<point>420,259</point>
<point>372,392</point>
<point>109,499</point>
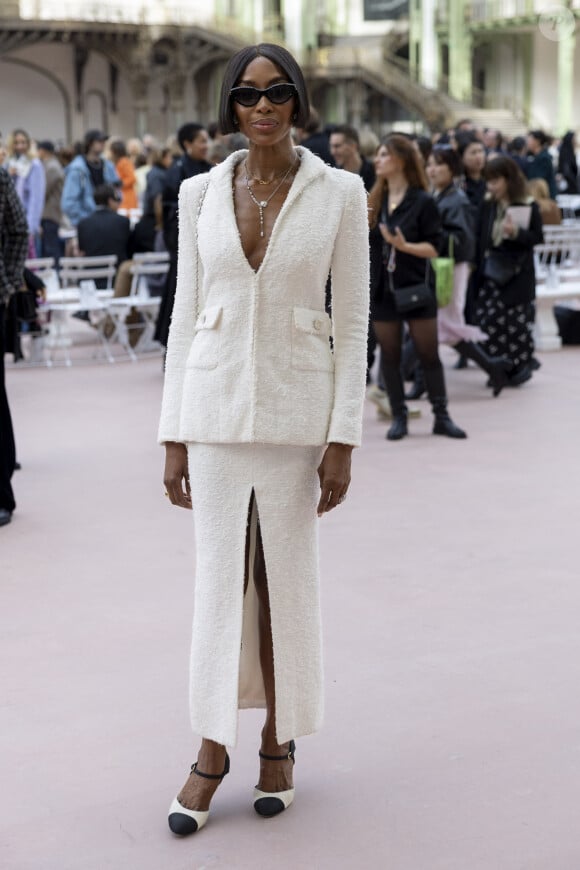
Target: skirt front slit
<point>234,487</point>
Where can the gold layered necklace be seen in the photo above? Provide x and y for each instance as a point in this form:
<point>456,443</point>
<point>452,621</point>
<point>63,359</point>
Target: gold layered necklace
<point>263,203</point>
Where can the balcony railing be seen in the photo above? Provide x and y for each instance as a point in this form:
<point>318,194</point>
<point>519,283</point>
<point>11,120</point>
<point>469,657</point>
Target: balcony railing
<point>479,11</point>
<point>117,11</point>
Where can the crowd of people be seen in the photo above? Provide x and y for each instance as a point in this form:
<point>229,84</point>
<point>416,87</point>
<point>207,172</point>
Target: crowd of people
<point>466,195</point>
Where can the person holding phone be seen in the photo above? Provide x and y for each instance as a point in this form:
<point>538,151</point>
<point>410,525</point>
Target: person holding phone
<point>410,225</point>
<point>506,278</point>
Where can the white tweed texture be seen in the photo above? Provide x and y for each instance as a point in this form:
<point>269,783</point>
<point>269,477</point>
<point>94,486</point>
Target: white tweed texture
<point>225,672</point>
<point>248,357</point>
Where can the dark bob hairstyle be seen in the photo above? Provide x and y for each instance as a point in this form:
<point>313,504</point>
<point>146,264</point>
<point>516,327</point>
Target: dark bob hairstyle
<point>505,167</point>
<point>283,60</point>
<point>449,156</point>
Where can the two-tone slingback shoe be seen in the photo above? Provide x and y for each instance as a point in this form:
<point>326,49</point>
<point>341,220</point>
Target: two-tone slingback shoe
<point>271,803</point>
<point>183,821</point>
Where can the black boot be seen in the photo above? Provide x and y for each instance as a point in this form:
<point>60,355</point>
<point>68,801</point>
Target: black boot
<point>461,362</point>
<point>443,425</point>
<point>418,387</point>
<point>395,392</point>
<point>496,367</point>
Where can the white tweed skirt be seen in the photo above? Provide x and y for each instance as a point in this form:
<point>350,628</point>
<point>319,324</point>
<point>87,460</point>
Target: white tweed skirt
<point>225,673</point>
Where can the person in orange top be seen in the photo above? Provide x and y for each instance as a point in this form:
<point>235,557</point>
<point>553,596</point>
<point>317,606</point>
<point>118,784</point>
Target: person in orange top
<point>126,172</point>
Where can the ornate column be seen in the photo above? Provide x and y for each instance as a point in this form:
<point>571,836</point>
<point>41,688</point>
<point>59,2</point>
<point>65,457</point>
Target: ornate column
<point>566,49</point>
<point>176,90</point>
<point>429,61</point>
<point>140,93</point>
<point>356,100</point>
<point>460,49</point>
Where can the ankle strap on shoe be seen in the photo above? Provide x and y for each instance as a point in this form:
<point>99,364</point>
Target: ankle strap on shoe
<point>212,775</point>
<point>289,754</point>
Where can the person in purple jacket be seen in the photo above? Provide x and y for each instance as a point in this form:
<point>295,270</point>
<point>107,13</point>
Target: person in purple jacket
<point>28,175</point>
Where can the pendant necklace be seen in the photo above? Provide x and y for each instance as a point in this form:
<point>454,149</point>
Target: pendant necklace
<point>263,203</point>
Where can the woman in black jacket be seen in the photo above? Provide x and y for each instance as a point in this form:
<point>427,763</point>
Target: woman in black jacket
<point>567,164</point>
<point>409,224</point>
<point>458,219</point>
<point>505,262</point>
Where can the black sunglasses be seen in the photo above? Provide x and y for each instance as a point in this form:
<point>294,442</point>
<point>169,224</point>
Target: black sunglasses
<point>277,94</point>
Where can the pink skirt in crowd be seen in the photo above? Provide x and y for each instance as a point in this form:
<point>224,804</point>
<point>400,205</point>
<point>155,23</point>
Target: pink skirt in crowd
<point>451,325</point>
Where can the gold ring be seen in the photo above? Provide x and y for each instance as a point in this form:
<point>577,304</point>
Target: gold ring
<point>166,494</point>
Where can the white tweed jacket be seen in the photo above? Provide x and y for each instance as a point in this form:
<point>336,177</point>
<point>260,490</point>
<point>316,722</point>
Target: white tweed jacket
<point>249,357</point>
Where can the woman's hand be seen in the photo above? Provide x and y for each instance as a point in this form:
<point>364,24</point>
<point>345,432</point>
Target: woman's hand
<point>176,476</point>
<point>510,230</point>
<point>334,475</point>
<point>396,239</point>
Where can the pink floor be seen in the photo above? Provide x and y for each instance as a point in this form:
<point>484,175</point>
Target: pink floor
<point>452,637</point>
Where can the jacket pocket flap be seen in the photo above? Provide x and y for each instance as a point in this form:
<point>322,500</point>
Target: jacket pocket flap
<point>314,322</point>
<point>209,318</point>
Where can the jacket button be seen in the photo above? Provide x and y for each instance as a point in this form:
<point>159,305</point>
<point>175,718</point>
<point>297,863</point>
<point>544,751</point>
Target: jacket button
<point>317,325</point>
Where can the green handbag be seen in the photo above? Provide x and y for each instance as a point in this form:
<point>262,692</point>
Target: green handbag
<point>444,268</point>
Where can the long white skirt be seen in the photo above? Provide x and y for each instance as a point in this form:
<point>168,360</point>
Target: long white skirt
<point>225,670</point>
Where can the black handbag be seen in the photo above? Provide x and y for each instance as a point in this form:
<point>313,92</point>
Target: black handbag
<point>501,267</point>
<point>412,297</point>
<point>26,305</point>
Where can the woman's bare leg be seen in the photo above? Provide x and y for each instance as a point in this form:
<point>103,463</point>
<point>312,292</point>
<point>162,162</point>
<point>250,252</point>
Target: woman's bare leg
<point>274,775</point>
<point>197,792</point>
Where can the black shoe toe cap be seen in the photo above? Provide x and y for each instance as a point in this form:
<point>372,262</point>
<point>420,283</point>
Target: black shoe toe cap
<point>269,806</point>
<point>181,824</point>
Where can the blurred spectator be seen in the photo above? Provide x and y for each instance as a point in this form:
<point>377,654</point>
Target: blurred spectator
<point>52,212</point>
<point>458,225</point>
<point>142,169</point>
<point>126,172</point>
<point>151,223</point>
<point>313,138</point>
<point>541,165</point>
<point>28,177</point>
<point>65,156</point>
<point>472,155</point>
<point>369,143</point>
<point>567,165</point>
<point>194,142</point>
<point>345,150</point>
<point>218,151</point>
<point>424,147</point>
<point>134,150</point>
<point>549,208</point>
<point>493,140</point>
<point>518,151</point>
<point>104,231</point>
<point>13,244</point>
<point>83,175</point>
<point>506,274</point>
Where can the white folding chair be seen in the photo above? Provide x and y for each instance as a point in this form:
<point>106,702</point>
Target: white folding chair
<point>78,293</point>
<point>145,266</point>
<point>557,266</point>
<point>72,270</point>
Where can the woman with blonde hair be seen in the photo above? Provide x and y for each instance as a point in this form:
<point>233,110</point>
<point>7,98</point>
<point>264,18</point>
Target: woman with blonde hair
<point>549,209</point>
<point>27,173</point>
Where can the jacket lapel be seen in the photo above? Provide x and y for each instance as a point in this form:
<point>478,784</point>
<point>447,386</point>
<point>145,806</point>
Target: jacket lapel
<point>221,180</point>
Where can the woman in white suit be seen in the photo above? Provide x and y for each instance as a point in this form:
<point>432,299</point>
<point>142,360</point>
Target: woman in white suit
<point>262,406</point>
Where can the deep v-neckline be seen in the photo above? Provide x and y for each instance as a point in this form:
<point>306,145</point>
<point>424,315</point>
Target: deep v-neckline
<point>257,271</point>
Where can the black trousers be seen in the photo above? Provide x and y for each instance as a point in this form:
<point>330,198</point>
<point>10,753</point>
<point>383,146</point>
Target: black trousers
<point>7,446</point>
